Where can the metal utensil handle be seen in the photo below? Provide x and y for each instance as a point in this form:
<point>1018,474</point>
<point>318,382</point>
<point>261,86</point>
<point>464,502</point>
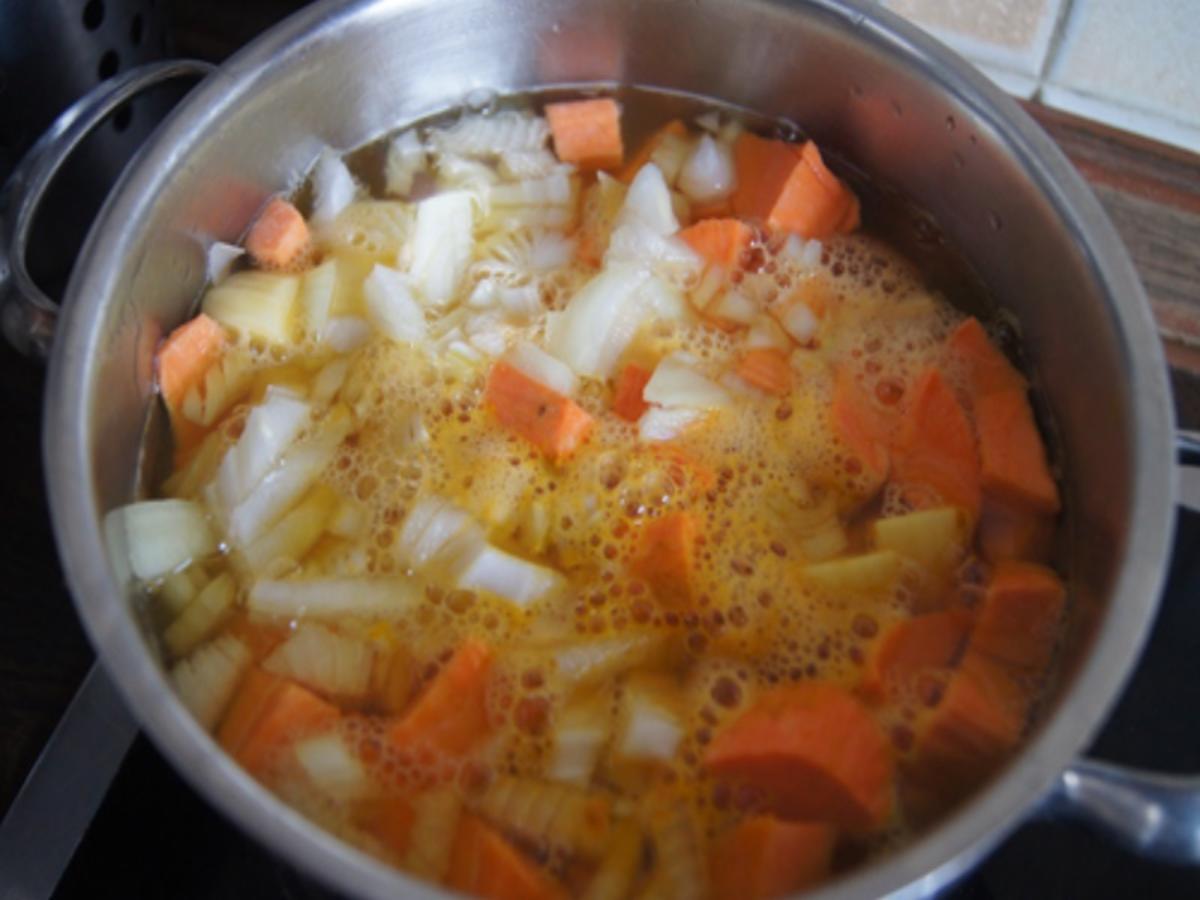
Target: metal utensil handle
<point>1149,813</point>
<point>28,315</point>
<point>47,820</point>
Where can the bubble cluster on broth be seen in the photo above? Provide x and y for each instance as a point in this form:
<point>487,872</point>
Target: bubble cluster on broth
<point>437,575</point>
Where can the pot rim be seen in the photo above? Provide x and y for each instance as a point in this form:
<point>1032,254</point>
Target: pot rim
<point>920,869</point>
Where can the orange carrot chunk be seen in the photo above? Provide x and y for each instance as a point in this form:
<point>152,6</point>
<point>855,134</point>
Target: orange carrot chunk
<point>935,448</point>
<point>767,369</point>
<point>627,398</point>
<point>451,715</point>
<point>278,236</point>
<point>1013,532</point>
<point>668,558</point>
<point>911,647</point>
<point>813,752</point>
<point>862,426</point>
<point>674,128</point>
<point>484,864</point>
<point>553,423</point>
<point>267,715</point>
<point>1012,455</point>
<point>719,241</point>
<point>1018,621</point>
<point>973,729</point>
<point>790,188</point>
<point>587,132</point>
<point>389,820</point>
<point>186,356</point>
<point>763,857</point>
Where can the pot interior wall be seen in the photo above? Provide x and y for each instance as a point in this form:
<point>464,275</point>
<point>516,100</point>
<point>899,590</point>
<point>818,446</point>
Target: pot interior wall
<point>832,72</point>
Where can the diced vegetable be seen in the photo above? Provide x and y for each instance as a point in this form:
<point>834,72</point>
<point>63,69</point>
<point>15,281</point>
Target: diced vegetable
<point>186,356</point>
<point>1018,621</point>
<point>437,533</point>
<point>436,815</point>
<point>708,175</point>
<point>591,662</point>
<point>271,428</point>
<point>648,203</point>
<point>205,680</point>
<point>767,369</point>
<point>405,158</point>
<point>552,422</point>
<point>912,647</point>
<point>278,237</point>
<point>508,576</point>
<point>935,448</point>
<point>813,752</point>
<point>345,334</point>
<point>333,187</point>
<point>650,725</point>
<point>861,425</point>
<point>545,813</point>
<point>676,382</point>
<point>483,864</point>
<point>330,600</point>
<point>289,539</point>
<point>619,865</point>
<point>389,819</point>
<point>391,305</point>
<point>673,129</point>
<point>519,164</point>
<point>491,135</point>
<point>667,560</point>
<point>221,257</point>
<point>450,716</point>
<point>628,402</point>
<point>1012,455</point>
<point>539,365</point>
<point>988,371</point>
<point>256,304</point>
<point>762,858</point>
<point>331,767</point>
<point>587,132</point>
<point>598,323</point>
<point>677,846</point>
<point>201,618</point>
<point>790,188</point>
<point>159,536</point>
<point>935,539</point>
<point>441,245</point>
<point>267,715</point>
<point>224,384</point>
<point>868,573</point>
<point>332,664</point>
<point>393,677</point>
<point>581,729</point>
<point>667,423</point>
<point>1010,532</point>
<point>720,241</point>
<point>666,256</point>
<point>178,588</point>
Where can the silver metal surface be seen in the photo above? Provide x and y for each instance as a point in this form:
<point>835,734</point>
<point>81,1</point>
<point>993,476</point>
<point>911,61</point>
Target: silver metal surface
<point>28,315</point>
<point>891,99</point>
<point>50,814</point>
<point>1151,814</point>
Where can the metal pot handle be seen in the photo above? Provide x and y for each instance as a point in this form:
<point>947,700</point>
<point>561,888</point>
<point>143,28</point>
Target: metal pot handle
<point>27,315</point>
<point>1152,814</point>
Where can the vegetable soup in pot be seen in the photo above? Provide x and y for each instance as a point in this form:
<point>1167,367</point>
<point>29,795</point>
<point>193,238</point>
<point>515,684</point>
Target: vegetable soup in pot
<point>572,500</point>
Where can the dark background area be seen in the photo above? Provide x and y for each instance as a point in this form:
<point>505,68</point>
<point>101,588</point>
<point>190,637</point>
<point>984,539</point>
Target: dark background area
<point>154,838</point>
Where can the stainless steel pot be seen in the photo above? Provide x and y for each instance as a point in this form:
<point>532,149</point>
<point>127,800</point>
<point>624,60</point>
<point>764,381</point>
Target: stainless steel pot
<point>894,101</point>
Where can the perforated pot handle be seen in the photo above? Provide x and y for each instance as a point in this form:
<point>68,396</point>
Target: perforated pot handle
<point>1152,814</point>
<point>27,314</point>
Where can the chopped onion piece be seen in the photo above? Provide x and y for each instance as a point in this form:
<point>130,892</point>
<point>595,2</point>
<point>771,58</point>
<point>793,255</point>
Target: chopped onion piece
<point>580,732</point>
<point>736,307</point>
<point>391,305</point>
<point>659,424</point>
<point>508,576</point>
<point>648,201</point>
<point>804,253</point>
<point>662,299</point>
<point>405,158</point>
<point>553,190</point>
<point>765,332</point>
<point>798,321</point>
<point>651,727</point>
<point>345,334</point>
<point>270,429</point>
<point>331,767</point>
<point>550,251</point>
<point>317,289</point>
<point>221,257</point>
<point>492,135</point>
<point>708,174</point>
<point>520,164</point>
<point>676,383</point>
<point>205,681</point>
<point>598,323</point>
<point>202,617</point>
<point>333,599</point>
<point>542,367</point>
<point>441,245</point>
<point>333,664</point>
<point>634,243</point>
<point>333,188</point>
<point>257,304</point>
<point>159,536</point>
<point>710,121</point>
<point>437,532</point>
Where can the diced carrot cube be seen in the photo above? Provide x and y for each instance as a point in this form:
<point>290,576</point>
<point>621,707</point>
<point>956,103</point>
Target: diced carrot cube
<point>986,368</point>
<point>1012,455</point>
<point>451,715</point>
<point>484,864</point>
<point>862,426</point>
<point>668,558</point>
<point>388,819</point>
<point>553,423</point>
<point>268,714</point>
<point>587,132</point>
<point>278,236</point>
<point>762,858</point>
<point>1019,620</point>
<point>628,402</point>
<point>719,241</point>
<point>1014,532</point>
<point>911,647</point>
<point>767,369</point>
<point>186,356</point>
